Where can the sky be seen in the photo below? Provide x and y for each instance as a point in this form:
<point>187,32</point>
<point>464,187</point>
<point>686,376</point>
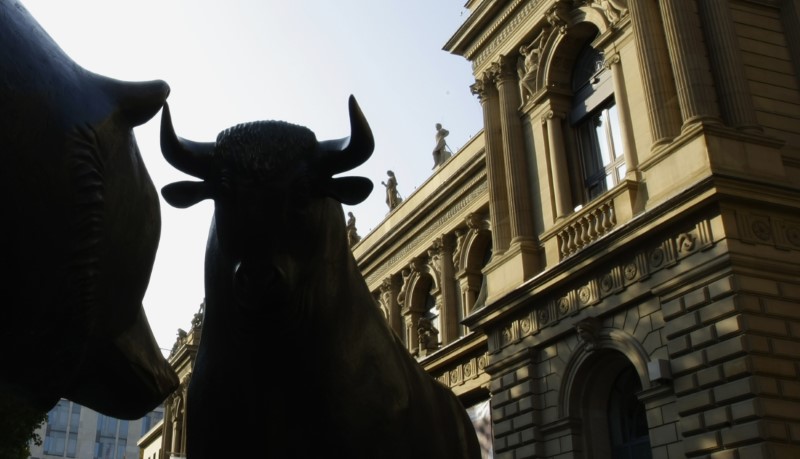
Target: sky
<point>293,60</point>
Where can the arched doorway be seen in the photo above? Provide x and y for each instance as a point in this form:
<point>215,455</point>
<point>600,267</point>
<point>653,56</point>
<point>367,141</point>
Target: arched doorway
<point>605,400</point>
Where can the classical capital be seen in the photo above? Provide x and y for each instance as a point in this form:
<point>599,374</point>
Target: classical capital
<point>479,89</point>
<point>551,114</point>
<point>503,70</point>
<point>611,60</point>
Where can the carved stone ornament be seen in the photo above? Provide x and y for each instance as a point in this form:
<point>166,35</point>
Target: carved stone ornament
<point>587,331</point>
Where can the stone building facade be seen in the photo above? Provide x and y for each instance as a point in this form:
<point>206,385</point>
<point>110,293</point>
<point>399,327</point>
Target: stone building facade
<point>167,440</point>
<point>613,262</point>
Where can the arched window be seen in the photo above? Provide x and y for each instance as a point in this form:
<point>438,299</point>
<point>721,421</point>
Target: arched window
<point>627,421</point>
<point>600,160</point>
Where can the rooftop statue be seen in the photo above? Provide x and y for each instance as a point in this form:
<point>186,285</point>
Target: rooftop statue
<point>352,233</point>
<point>441,152</point>
<point>295,355</point>
<point>393,198</point>
<point>81,224</point>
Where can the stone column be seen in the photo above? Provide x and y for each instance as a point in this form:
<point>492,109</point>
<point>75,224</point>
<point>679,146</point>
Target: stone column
<point>790,19</point>
<point>410,312</point>
<point>626,129</point>
<point>558,161</point>
<point>441,262</point>
<point>495,168</point>
<point>736,102</point>
<point>659,90</point>
<point>389,289</point>
<point>176,449</point>
<point>516,164</point>
<point>689,65</point>
<point>469,276</point>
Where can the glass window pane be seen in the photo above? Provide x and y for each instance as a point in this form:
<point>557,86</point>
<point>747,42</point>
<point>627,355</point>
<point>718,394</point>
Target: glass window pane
<point>121,444</point>
<point>621,171</point>
<point>54,443</point>
<point>602,139</point>
<point>72,445</point>
<point>610,182</point>
<point>616,133</point>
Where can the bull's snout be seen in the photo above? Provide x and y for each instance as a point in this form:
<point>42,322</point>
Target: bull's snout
<point>255,285</point>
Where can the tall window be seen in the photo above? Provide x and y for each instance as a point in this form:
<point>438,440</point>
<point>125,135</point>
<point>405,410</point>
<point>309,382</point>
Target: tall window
<point>111,439</point>
<point>595,124</point>
<point>61,435</point>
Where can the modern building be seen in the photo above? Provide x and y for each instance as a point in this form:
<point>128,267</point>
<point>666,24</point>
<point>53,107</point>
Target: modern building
<point>614,261</point>
<point>74,431</point>
<point>611,267</point>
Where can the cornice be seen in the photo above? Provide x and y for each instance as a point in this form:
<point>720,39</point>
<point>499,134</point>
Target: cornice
<point>542,315</point>
<point>457,194</point>
<point>515,16</point>
<point>697,200</point>
<point>468,194</point>
<point>470,30</point>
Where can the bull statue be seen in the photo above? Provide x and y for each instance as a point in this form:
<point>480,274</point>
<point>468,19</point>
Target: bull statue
<point>81,224</point>
<point>295,351</point>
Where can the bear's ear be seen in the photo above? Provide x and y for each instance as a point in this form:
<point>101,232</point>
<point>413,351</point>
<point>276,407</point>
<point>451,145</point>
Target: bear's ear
<point>349,190</point>
<point>185,194</point>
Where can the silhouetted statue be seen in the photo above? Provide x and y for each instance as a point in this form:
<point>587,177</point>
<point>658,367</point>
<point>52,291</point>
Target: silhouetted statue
<point>440,151</point>
<point>352,232</point>
<point>81,223</point>
<point>347,384</point>
<point>393,198</point>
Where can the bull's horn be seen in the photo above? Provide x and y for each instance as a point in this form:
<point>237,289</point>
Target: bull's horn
<point>193,158</point>
<point>350,152</point>
<point>138,101</point>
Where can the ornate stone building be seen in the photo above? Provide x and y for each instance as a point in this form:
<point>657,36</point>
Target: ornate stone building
<point>167,439</point>
<point>614,261</point>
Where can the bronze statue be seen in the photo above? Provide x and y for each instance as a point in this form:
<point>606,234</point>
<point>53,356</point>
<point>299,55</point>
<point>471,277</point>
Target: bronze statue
<point>293,347</point>
<point>81,223</point>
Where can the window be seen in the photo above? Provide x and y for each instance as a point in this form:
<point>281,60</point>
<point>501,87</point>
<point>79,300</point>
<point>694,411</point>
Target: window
<point>627,422</point>
<point>480,415</point>
<point>111,438</point>
<point>61,435</point>
<point>595,123</point>
<point>600,145</point>
<point>151,419</point>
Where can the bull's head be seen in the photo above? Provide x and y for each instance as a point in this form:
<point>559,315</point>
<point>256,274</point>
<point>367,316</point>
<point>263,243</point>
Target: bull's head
<point>80,227</point>
<point>268,180</point>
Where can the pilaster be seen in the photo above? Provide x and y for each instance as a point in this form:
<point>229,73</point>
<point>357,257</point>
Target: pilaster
<point>441,261</point>
<point>516,164</point>
<point>389,290</point>
<point>468,274</point>
<point>558,162</point>
<point>688,53</point>
<point>735,100</point>
<point>495,168</point>
<point>626,126</point>
<point>656,75</point>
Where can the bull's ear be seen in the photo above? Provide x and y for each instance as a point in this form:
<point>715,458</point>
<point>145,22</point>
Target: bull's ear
<point>185,194</point>
<point>349,190</point>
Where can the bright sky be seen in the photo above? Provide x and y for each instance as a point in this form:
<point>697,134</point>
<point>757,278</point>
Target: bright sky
<point>293,60</point>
